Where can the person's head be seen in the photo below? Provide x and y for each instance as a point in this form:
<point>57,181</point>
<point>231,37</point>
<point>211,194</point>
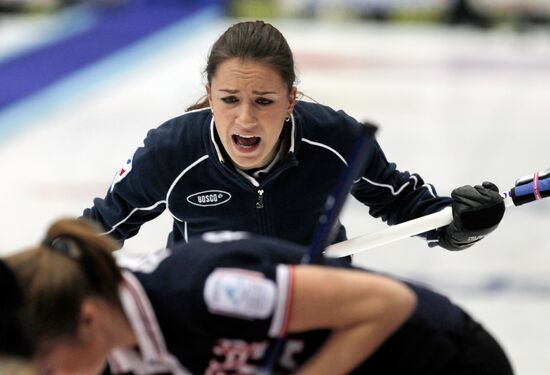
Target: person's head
<point>61,295</point>
<point>250,85</point>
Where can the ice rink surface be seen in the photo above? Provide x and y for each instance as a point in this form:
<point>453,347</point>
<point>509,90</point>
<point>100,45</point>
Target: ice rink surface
<point>458,106</point>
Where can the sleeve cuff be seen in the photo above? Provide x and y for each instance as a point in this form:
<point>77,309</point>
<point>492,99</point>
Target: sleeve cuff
<point>285,287</point>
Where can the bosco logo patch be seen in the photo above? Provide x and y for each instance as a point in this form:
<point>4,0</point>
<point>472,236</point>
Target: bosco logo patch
<point>209,198</point>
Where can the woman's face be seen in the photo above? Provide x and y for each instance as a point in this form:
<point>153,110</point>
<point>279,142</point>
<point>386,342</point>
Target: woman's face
<point>250,102</point>
<point>71,357</point>
<point>99,330</point>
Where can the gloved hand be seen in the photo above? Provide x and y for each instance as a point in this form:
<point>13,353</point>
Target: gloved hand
<point>477,211</point>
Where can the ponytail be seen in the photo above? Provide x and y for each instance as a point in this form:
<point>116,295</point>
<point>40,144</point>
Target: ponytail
<point>200,104</point>
<point>80,241</point>
<point>72,263</point>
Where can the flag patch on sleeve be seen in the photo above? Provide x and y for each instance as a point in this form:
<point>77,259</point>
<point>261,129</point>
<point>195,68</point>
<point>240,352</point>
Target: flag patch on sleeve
<point>122,172</point>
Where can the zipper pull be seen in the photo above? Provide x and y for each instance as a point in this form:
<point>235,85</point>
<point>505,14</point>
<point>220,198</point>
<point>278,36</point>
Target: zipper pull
<point>260,202</point>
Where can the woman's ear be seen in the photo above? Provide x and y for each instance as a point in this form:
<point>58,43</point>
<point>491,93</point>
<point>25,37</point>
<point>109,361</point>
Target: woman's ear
<point>103,325</point>
<point>90,316</point>
<point>292,99</point>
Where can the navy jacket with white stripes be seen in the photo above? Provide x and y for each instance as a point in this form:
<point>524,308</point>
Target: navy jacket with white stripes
<point>215,305</point>
<point>183,168</point>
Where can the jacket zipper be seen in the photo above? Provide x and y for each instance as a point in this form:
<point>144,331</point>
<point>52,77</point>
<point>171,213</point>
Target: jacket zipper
<point>260,201</point>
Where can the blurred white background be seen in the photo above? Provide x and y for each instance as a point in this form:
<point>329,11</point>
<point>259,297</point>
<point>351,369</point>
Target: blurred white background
<point>458,105</point>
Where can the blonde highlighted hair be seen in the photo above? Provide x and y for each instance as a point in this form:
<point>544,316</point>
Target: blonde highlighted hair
<point>73,262</point>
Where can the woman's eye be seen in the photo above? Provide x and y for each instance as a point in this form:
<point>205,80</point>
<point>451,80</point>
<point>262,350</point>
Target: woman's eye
<point>264,101</point>
<point>229,99</point>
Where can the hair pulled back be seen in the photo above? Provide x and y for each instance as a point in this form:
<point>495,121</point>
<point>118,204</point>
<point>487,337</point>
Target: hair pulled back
<point>255,41</point>
<point>72,263</point>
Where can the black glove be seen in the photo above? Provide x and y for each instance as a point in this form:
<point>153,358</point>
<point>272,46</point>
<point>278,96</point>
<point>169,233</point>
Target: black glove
<point>477,211</point>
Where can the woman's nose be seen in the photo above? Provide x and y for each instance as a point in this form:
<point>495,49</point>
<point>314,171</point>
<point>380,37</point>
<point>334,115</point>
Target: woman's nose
<point>247,116</point>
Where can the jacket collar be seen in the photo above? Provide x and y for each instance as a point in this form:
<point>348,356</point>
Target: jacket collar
<point>153,356</point>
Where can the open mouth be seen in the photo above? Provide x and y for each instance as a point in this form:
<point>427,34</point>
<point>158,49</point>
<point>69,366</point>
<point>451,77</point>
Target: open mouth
<point>245,141</point>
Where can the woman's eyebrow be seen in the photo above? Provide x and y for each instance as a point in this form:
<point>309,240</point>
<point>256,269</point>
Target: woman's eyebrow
<point>255,92</point>
<point>263,92</point>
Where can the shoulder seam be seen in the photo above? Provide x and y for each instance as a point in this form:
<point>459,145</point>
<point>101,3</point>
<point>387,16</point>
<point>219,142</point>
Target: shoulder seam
<point>176,180</point>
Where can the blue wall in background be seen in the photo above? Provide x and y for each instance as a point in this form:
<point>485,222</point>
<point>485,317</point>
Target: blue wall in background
<point>108,30</point>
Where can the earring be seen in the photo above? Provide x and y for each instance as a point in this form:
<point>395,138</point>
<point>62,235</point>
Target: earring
<point>287,118</point>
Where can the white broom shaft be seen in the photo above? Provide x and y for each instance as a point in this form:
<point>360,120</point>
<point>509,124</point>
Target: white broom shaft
<point>396,232</point>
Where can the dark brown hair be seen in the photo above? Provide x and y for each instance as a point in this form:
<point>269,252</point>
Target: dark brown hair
<point>254,41</point>
<point>72,263</point>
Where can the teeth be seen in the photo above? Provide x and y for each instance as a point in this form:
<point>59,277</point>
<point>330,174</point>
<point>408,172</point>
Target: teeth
<point>246,141</point>
<point>246,136</point>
